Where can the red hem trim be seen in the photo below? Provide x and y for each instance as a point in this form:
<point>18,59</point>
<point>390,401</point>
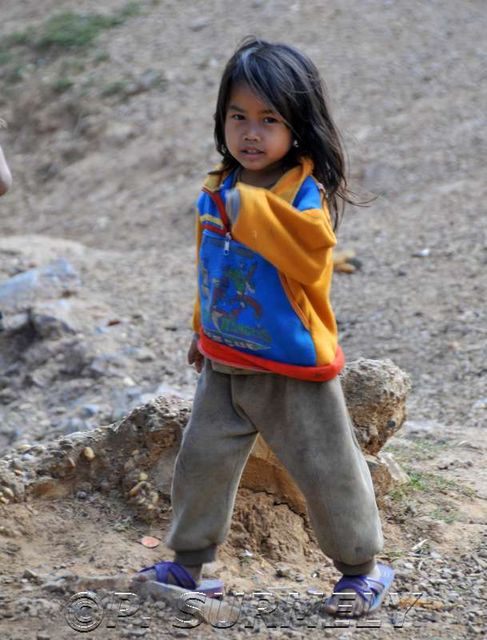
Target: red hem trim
<point>234,358</point>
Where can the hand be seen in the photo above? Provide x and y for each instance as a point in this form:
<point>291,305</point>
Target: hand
<point>194,355</point>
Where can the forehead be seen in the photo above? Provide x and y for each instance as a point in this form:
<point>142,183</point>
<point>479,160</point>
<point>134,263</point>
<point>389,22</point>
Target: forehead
<point>242,96</point>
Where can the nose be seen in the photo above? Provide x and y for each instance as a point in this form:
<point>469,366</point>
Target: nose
<point>251,134</point>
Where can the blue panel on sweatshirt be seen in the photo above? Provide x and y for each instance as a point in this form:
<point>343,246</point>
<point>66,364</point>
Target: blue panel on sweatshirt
<point>205,204</point>
<point>309,196</point>
<point>244,306</point>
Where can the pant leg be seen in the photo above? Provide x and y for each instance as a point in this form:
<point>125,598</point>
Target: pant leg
<point>308,427</point>
<point>214,449</point>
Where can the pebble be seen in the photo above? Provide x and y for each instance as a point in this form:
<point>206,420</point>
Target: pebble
<point>54,586</point>
<point>90,410</point>
<point>30,575</point>
<point>199,24</point>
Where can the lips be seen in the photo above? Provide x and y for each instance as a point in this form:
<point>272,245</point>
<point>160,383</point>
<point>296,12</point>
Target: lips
<point>251,151</point>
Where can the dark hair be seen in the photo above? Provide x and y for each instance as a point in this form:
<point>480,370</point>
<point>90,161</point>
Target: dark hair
<point>288,80</point>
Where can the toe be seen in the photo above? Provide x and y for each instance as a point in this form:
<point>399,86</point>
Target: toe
<point>143,576</point>
<point>349,605</point>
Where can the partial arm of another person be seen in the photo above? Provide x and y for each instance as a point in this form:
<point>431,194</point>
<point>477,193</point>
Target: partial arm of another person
<point>5,175</point>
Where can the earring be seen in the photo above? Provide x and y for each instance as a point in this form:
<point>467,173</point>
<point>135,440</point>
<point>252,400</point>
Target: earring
<point>295,144</point>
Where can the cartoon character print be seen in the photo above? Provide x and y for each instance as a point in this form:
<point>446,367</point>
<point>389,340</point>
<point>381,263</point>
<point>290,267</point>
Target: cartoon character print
<point>231,293</point>
<point>233,309</point>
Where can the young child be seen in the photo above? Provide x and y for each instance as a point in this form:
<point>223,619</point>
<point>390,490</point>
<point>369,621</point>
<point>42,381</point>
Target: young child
<point>265,337</point>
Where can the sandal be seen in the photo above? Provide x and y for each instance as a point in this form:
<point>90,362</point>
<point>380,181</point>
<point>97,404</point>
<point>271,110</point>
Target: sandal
<point>370,590</point>
<point>183,579</point>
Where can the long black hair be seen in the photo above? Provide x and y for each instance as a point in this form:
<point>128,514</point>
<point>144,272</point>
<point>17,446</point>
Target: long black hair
<point>290,83</point>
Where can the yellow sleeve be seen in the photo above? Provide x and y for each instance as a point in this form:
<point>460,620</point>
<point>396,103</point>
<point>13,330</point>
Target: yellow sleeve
<point>295,242</point>
<point>196,321</point>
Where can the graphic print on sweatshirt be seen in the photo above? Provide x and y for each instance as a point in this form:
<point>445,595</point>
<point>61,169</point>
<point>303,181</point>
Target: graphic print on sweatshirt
<point>244,305</point>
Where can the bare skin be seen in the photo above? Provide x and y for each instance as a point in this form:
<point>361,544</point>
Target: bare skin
<point>194,355</point>
<point>5,175</point>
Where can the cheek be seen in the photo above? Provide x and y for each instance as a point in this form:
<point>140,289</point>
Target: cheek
<point>285,140</point>
<point>229,131</point>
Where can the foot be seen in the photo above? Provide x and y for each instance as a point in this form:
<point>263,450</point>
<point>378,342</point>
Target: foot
<point>368,593</point>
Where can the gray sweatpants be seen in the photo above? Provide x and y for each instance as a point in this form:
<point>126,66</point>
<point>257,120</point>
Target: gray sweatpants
<point>307,426</point>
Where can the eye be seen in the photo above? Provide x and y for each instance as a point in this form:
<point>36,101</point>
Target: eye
<point>236,116</point>
<point>270,120</point>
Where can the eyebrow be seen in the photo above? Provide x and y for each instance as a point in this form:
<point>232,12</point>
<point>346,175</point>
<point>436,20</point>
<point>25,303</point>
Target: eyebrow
<point>234,107</point>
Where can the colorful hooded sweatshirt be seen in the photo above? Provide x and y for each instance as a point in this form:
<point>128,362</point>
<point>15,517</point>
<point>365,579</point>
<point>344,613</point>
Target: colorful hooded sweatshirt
<point>264,281</point>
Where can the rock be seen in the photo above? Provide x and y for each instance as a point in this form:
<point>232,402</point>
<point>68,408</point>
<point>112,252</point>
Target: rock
<point>375,391</point>
<point>55,586</point>
<point>199,24</point>
<point>381,475</point>
<point>54,318</point>
<point>397,474</point>
<point>119,133</point>
<point>15,322</point>
<point>107,364</point>
<point>144,354</point>
<point>90,410</point>
<point>76,356</point>
<point>32,576</point>
<point>282,571</point>
<point>56,279</point>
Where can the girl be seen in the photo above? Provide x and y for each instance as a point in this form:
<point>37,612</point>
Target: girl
<point>265,337</point>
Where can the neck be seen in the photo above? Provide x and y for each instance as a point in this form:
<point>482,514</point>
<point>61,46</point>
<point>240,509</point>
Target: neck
<point>262,179</point>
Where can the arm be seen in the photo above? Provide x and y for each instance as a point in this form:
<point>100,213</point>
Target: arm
<point>196,321</point>
<point>5,175</point>
<point>295,241</point>
<point>194,355</point>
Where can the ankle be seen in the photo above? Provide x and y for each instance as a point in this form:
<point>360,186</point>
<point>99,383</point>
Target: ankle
<point>356,569</point>
<point>194,570</point>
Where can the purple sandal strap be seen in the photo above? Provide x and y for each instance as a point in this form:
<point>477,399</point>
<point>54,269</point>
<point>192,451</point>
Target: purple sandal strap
<point>181,576</point>
<point>361,585</point>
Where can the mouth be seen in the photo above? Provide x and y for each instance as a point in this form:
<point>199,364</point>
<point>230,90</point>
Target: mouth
<point>251,151</point>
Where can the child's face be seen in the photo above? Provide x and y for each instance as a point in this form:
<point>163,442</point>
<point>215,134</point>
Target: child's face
<point>255,135</point>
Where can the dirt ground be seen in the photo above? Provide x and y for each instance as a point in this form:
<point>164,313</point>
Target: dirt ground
<point>108,146</point>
